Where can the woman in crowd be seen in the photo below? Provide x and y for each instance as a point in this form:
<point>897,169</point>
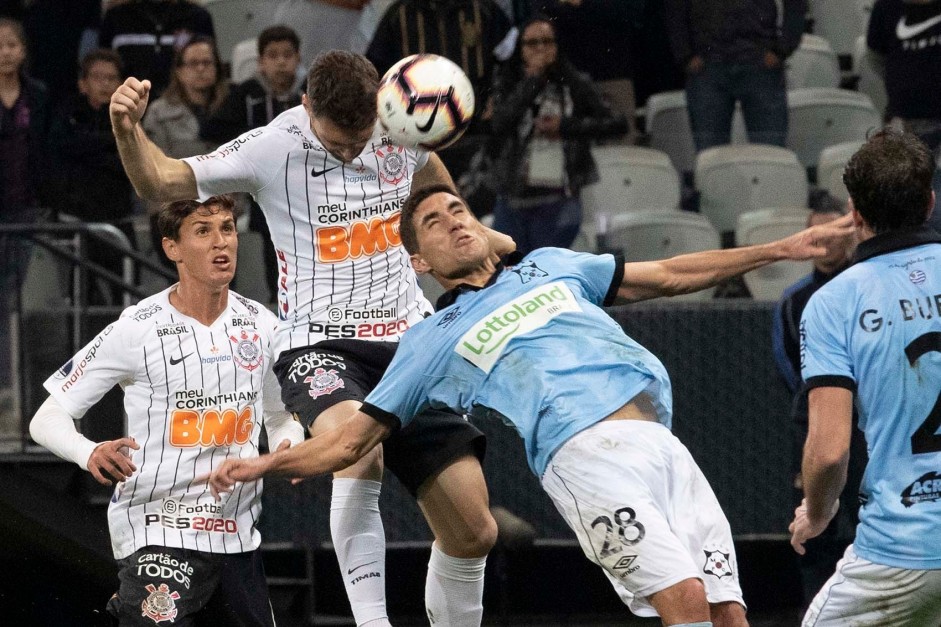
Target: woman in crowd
<point>544,116</point>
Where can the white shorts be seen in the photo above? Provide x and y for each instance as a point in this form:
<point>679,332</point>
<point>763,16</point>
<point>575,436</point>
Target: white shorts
<point>866,594</point>
<point>643,511</point>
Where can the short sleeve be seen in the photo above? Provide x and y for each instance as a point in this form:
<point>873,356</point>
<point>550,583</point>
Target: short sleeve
<point>600,275</point>
<point>401,393</point>
<point>109,359</point>
<point>824,345</point>
<point>245,164</point>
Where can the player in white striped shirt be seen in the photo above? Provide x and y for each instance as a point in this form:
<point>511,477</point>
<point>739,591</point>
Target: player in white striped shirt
<point>331,183</point>
<point>195,363</point>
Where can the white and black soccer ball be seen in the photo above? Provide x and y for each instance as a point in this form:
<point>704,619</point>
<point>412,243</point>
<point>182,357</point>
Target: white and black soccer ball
<point>425,101</point>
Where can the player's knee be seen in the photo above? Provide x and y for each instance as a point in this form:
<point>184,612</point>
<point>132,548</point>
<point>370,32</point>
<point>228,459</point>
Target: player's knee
<point>683,602</point>
<point>475,538</point>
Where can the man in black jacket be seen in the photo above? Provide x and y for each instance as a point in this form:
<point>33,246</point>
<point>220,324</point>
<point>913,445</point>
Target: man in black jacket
<point>733,51</point>
<point>274,89</point>
<point>88,180</point>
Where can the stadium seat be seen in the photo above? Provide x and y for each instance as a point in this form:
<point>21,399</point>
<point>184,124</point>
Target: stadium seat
<point>818,118</point>
<point>735,179</point>
<point>840,21</point>
<point>871,82</point>
<point>238,20</point>
<point>669,130</point>
<point>651,235</point>
<point>767,225</point>
<point>668,127</point>
<point>631,178</point>
<point>244,60</point>
<point>813,64</point>
<point>832,161</point>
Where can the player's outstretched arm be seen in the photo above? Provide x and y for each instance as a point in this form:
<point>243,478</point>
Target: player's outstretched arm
<point>155,176</point>
<point>330,451</point>
<point>697,271</point>
<point>54,428</point>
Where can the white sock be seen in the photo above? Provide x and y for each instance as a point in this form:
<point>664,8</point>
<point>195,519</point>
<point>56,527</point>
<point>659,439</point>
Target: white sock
<point>454,590</point>
<point>360,544</point>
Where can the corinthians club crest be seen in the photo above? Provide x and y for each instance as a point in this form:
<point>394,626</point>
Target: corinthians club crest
<point>247,352</point>
<point>159,604</point>
<point>323,382</point>
<point>393,167</point>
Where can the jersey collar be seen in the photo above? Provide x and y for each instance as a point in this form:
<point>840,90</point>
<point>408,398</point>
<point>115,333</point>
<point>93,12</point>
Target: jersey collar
<point>450,297</point>
<point>895,240</point>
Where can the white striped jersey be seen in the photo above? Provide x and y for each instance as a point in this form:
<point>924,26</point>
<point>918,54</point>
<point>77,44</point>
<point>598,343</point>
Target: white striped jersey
<point>194,397</point>
<point>343,272</point>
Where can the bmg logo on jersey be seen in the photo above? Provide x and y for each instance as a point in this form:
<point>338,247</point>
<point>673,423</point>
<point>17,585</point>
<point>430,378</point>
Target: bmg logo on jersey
<point>175,514</point>
<point>334,244</point>
<point>210,427</point>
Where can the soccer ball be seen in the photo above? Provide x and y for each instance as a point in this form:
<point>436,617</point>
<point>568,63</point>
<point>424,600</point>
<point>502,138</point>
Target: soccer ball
<point>425,101</point>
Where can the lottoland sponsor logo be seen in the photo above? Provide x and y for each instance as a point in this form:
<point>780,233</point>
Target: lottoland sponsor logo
<point>487,339</point>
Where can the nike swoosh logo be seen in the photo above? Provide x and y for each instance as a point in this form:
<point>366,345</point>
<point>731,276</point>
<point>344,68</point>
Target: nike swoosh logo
<point>174,361</point>
<point>315,172</point>
<point>352,570</point>
<point>906,31</point>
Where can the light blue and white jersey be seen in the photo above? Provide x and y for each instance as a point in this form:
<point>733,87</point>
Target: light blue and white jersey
<point>534,346</point>
<point>876,329</point>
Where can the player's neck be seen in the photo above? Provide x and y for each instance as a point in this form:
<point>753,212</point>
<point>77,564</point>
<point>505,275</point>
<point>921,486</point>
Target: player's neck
<point>200,302</point>
<point>478,276</point>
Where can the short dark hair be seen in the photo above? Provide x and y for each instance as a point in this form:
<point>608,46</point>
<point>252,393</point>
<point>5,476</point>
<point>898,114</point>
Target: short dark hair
<point>278,32</point>
<point>101,55</point>
<point>342,87</point>
<point>172,214</point>
<point>889,180</point>
<point>407,231</point>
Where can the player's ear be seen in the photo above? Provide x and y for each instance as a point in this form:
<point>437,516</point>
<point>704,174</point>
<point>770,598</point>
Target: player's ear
<point>857,219</point>
<point>170,249</point>
<point>931,205</point>
<point>419,264</point>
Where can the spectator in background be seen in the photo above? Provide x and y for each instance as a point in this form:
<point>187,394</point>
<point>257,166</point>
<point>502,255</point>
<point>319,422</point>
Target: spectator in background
<point>609,26</point>
<point>735,52</point>
<point>197,89</point>
<point>147,32</point>
<point>544,115</point>
<point>322,24</point>
<point>904,42</point>
<point>54,29</point>
<point>89,180</point>
<point>23,136</point>
<point>275,88</point>
<point>823,552</point>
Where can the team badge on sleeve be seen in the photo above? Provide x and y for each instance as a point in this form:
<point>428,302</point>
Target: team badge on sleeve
<point>717,563</point>
<point>248,353</point>
<point>323,382</point>
<point>160,604</point>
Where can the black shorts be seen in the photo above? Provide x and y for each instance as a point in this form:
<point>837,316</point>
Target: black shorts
<point>188,588</point>
<point>315,378</point>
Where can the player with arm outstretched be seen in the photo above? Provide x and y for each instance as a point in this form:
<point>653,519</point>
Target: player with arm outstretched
<point>529,341</point>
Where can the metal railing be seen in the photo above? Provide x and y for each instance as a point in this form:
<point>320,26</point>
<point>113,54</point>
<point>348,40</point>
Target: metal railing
<point>69,243</point>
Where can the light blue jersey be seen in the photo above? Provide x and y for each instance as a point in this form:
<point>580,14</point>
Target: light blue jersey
<point>534,346</point>
<point>876,329</point>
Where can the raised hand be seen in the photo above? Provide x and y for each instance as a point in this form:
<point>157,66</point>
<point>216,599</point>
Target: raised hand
<point>112,460</point>
<point>128,104</point>
<point>820,240</point>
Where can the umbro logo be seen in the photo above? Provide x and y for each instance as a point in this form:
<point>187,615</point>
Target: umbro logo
<point>315,172</point>
<point>174,361</point>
